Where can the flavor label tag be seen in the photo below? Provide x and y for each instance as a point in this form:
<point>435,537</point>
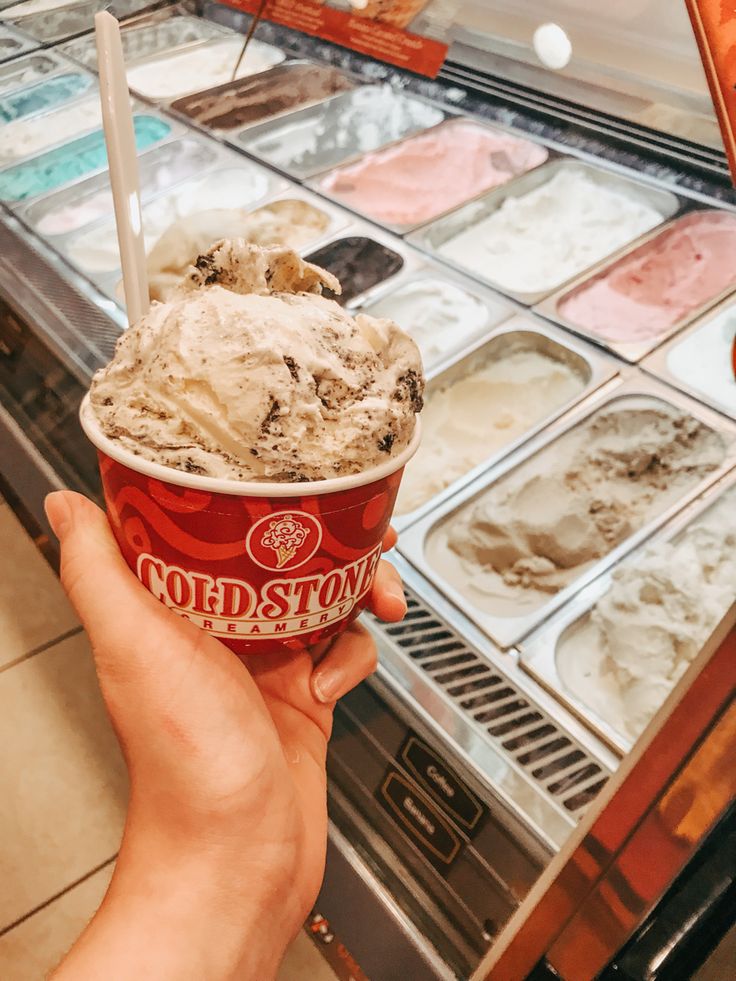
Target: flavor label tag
<point>260,573</point>
<point>714,24</point>
<point>375,29</point>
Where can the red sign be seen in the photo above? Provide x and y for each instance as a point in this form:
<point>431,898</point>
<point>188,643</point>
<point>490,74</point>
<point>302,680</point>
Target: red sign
<point>370,37</point>
<point>714,23</point>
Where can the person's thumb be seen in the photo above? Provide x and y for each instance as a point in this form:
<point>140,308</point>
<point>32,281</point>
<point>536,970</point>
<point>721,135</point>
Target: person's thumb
<point>94,574</point>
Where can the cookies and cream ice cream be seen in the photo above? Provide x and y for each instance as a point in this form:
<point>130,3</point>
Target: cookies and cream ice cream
<point>541,527</point>
<point>290,221</point>
<point>624,657</point>
<point>250,374</point>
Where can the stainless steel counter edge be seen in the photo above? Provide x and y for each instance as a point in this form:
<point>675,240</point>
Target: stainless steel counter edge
<point>368,921</point>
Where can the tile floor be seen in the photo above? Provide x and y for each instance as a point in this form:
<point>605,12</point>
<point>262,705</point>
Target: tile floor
<point>62,780</point>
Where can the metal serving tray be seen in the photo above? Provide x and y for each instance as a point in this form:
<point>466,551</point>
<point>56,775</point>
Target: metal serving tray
<point>632,351</point>
<point>164,101</point>
<point>203,155</point>
<point>318,182</point>
<point>150,35</point>
<point>255,138</point>
<point>431,236</point>
<point>42,66</point>
<point>659,363</point>
<point>529,333</point>
<point>93,96</point>
<point>498,307</point>
<point>107,277</point>
<point>504,722</point>
<point>538,653</point>
<point>175,131</point>
<point>39,66</point>
<point>181,105</point>
<point>641,391</point>
<point>412,261</point>
<point>14,43</point>
<point>50,26</point>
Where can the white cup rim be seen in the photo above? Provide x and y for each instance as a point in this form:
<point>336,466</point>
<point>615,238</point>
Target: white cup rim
<point>240,488</point>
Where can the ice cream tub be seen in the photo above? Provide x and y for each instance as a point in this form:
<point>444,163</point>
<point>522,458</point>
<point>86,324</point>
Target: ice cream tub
<point>364,260</point>
<point>169,75</point>
<point>63,213</point>
<point>565,655</point>
<point>14,43</point>
<point>443,311</point>
<point>149,37</point>
<point>276,92</point>
<point>646,294</point>
<point>539,257</point>
<point>518,542</point>
<point>51,92</point>
<point>54,21</point>
<point>230,183</point>
<point>68,163</point>
<point>310,141</point>
<point>261,566</point>
<point>30,69</point>
<point>482,405</point>
<point>699,360</point>
<point>419,178</point>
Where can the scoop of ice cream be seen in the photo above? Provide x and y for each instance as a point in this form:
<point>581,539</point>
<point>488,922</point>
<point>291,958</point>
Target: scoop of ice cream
<point>661,283</point>
<point>289,222</point>
<point>538,240</point>
<point>413,181</point>
<point>470,417</point>
<point>659,610</point>
<point>547,522</point>
<point>248,373</point>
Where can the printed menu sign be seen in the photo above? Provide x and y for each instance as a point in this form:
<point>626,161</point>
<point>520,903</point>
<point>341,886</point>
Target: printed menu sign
<point>378,28</point>
<point>714,23</point>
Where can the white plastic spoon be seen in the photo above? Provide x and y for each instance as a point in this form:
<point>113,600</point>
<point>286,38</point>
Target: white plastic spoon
<point>117,120</point>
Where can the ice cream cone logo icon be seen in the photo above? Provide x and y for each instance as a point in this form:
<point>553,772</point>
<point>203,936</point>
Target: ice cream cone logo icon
<point>285,536</point>
<point>284,541</point>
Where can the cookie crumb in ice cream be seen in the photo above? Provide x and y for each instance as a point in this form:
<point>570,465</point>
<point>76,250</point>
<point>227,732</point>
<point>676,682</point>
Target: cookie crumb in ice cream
<point>547,521</point>
<point>249,373</point>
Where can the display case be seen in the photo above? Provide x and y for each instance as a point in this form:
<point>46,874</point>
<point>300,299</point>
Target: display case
<point>494,787</point>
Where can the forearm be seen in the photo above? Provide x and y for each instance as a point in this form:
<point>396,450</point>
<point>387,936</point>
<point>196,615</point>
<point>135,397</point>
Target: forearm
<point>174,915</point>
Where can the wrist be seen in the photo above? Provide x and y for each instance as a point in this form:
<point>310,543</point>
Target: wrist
<point>182,912</point>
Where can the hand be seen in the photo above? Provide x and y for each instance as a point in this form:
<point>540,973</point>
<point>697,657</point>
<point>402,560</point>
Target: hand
<point>224,844</point>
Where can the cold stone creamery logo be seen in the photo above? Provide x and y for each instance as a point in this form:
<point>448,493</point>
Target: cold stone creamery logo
<point>227,606</point>
<point>285,540</point>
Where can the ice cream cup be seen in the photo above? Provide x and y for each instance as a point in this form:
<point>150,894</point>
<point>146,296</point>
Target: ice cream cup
<point>261,566</point>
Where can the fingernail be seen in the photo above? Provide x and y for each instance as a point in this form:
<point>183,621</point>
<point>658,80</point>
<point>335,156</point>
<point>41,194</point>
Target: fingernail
<point>327,685</point>
<point>58,512</point>
<point>396,591</point>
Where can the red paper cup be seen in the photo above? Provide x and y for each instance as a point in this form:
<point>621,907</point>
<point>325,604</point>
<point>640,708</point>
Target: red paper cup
<point>261,566</point>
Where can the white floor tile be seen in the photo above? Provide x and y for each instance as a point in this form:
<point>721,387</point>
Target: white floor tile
<point>62,778</point>
<point>31,950</point>
<point>33,607</point>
